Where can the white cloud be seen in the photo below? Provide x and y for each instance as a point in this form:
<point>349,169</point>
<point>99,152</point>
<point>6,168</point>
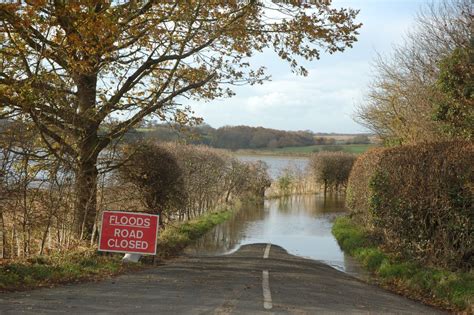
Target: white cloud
<point>325,100</point>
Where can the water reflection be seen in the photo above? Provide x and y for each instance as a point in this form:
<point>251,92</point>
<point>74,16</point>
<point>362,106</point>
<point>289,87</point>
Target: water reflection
<point>300,224</point>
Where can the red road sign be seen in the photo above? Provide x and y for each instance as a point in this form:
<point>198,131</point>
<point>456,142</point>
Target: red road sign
<point>128,232</point>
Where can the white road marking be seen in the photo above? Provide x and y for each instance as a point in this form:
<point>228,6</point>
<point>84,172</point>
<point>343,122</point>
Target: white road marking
<point>267,251</point>
<point>267,295</point>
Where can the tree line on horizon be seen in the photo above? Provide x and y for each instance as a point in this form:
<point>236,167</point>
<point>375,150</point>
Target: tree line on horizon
<point>237,137</point>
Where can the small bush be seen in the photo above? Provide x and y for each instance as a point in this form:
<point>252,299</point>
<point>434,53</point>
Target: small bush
<point>156,176</point>
<point>332,169</point>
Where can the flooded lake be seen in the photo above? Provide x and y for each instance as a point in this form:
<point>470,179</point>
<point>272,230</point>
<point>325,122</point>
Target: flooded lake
<point>299,224</point>
<point>278,164</point>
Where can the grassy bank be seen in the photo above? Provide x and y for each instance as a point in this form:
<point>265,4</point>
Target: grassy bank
<point>447,289</point>
<point>89,265</point>
<point>47,271</point>
<point>307,150</point>
<point>175,238</point>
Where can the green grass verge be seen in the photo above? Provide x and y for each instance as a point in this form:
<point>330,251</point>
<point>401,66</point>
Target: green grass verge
<point>88,264</point>
<point>451,290</point>
<point>45,271</point>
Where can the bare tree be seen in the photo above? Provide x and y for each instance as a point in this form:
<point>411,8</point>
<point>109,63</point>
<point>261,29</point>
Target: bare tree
<point>401,101</point>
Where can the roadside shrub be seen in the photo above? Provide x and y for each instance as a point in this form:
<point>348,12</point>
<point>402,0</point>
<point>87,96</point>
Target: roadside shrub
<point>292,180</point>
<point>256,180</point>
<point>419,199</point>
<point>182,182</point>
<point>155,174</point>
<point>284,184</point>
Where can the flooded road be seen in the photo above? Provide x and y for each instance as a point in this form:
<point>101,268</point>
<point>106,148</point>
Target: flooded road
<point>299,224</point>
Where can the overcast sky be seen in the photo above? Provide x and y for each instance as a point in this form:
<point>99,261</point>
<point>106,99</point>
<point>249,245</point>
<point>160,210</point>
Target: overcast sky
<point>325,100</point>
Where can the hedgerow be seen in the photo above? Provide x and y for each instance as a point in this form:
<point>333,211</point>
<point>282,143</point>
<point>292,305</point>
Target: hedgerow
<point>419,200</point>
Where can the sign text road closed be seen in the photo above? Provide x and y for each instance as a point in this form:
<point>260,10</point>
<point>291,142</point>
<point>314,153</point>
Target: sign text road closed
<point>128,232</point>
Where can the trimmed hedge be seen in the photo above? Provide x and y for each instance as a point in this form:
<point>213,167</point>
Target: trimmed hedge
<point>419,200</point>
<point>358,193</point>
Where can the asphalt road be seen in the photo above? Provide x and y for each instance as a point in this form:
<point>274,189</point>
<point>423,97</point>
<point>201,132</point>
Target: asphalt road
<point>257,279</point>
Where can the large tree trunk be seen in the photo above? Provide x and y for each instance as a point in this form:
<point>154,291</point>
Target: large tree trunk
<point>86,197</point>
<point>3,236</point>
<point>86,167</point>
<point>86,184</point>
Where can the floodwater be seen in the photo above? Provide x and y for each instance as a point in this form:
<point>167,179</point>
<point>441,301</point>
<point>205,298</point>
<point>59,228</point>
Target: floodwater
<point>278,164</point>
<point>300,224</point>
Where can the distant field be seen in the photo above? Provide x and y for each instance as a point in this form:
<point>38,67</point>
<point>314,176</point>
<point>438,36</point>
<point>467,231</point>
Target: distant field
<point>345,137</point>
<point>350,148</point>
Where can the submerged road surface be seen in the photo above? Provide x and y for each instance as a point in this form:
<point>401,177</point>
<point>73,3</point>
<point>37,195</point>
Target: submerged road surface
<point>257,279</point>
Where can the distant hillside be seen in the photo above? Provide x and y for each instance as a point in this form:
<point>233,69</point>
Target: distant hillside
<point>243,137</point>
